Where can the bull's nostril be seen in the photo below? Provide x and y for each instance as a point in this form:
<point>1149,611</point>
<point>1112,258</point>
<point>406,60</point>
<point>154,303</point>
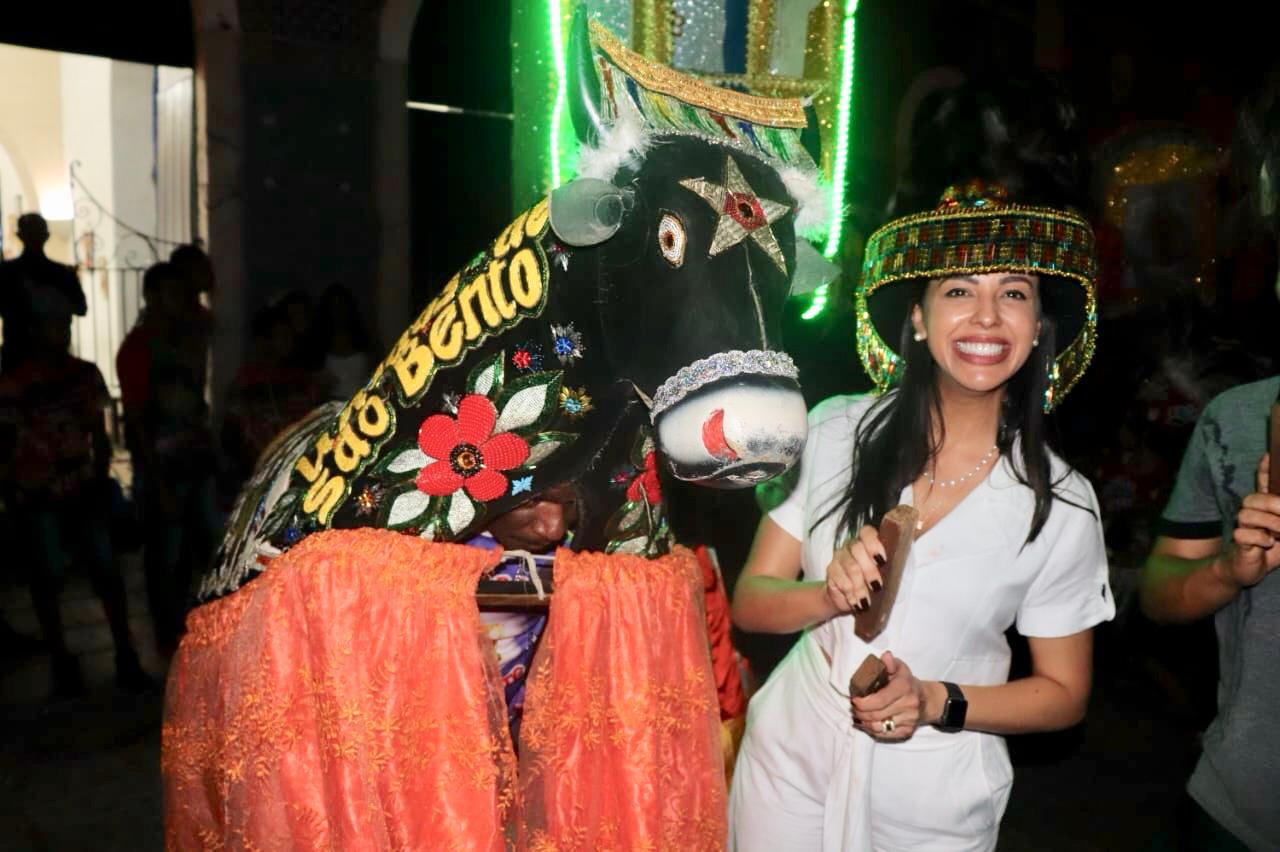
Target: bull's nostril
<point>713,437</point>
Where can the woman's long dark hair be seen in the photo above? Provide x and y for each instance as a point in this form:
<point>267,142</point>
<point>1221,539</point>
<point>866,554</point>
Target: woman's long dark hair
<point>1022,134</point>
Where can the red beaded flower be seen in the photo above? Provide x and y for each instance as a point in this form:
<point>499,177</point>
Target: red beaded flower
<point>647,482</point>
<point>467,454</point>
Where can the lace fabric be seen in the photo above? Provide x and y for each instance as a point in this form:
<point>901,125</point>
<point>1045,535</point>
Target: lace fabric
<point>348,699</point>
<point>620,747</point>
<point>342,700</point>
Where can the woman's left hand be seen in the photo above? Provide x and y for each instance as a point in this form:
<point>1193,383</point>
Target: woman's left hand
<point>897,709</point>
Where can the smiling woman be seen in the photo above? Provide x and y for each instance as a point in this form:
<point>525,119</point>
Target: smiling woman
<point>975,293</point>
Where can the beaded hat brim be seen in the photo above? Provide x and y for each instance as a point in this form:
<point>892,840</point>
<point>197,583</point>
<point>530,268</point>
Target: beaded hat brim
<point>1056,245</point>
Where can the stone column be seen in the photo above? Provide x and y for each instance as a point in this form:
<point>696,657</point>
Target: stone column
<point>219,189</point>
<point>393,290</point>
<point>393,299</point>
<point>291,97</point>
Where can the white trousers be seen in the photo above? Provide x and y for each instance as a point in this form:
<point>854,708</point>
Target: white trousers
<point>806,779</point>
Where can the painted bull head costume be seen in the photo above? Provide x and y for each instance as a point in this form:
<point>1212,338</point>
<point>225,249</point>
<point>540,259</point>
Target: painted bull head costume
<point>333,687</point>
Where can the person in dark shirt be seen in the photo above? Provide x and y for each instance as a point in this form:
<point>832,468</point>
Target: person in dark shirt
<point>269,392</point>
<point>161,365</point>
<point>21,279</point>
<point>55,457</point>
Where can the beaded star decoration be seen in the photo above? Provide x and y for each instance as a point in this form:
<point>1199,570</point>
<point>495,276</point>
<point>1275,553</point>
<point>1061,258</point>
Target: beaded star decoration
<point>742,213</point>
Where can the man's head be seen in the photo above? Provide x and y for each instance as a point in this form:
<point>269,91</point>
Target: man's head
<point>164,290</point>
<point>193,264</point>
<point>33,230</point>
<point>538,524</point>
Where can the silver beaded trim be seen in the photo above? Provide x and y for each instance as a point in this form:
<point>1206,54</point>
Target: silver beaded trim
<point>721,365</point>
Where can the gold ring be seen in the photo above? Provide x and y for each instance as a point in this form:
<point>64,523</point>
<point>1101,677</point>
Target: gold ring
<point>888,725</point>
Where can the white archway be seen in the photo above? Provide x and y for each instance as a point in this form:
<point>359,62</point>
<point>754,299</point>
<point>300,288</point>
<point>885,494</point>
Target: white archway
<point>15,181</point>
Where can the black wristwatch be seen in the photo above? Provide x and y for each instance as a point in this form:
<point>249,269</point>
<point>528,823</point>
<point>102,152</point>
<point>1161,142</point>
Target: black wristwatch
<point>953,710</point>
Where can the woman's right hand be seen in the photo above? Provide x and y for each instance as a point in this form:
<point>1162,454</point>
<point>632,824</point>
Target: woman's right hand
<point>854,572</point>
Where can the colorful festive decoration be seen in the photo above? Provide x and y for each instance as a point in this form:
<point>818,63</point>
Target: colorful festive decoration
<point>412,480</point>
<point>843,120</point>
<point>566,343</point>
<point>1146,166</point>
<point>975,230</point>
<point>668,102</point>
<point>368,500</point>
<point>786,55</point>
<point>526,357</point>
<point>467,454</point>
<point>672,239</point>
<point>719,366</point>
<point>968,234</point>
<point>555,20</point>
<point>742,213</point>
<point>640,524</point>
<point>575,402</point>
<point>559,254</point>
<point>647,486</point>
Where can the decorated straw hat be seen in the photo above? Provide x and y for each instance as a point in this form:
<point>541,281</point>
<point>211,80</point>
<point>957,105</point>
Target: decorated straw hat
<point>975,229</point>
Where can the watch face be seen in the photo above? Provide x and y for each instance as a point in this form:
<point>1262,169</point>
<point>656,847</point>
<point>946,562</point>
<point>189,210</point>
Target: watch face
<point>954,710</point>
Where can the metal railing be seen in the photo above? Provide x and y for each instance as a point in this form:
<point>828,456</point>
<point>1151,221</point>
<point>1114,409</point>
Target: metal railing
<point>114,300</point>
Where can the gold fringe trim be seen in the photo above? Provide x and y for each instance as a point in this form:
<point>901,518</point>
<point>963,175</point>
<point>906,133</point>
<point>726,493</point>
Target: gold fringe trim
<point>771,112</point>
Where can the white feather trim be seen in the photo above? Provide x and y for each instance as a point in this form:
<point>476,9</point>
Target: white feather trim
<point>813,200</point>
<point>623,144</point>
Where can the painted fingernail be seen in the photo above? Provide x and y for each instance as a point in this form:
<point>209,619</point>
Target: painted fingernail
<point>876,585</point>
<point>879,561</point>
<point>864,604</point>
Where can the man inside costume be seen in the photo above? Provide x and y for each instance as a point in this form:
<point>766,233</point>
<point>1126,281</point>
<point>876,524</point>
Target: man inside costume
<point>528,536</point>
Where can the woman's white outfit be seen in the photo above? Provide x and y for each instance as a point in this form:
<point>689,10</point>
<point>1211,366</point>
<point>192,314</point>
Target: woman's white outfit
<point>805,777</point>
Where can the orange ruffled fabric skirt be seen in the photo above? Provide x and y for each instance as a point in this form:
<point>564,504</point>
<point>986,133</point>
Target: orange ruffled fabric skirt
<point>348,699</point>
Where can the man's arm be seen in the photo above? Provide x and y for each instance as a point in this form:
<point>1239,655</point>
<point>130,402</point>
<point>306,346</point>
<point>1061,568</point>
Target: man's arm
<point>73,292</point>
<point>1183,580</point>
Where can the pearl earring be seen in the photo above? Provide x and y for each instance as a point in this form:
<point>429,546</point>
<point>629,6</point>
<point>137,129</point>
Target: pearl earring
<point>1035,342</point>
<point>919,336</point>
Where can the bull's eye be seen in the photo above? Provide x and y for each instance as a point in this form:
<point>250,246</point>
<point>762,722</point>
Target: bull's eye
<point>671,239</point>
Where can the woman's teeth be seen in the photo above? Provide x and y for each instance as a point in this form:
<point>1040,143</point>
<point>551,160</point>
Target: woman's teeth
<point>980,349</point>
